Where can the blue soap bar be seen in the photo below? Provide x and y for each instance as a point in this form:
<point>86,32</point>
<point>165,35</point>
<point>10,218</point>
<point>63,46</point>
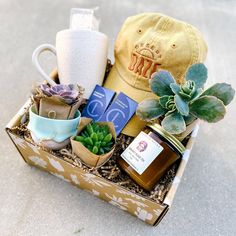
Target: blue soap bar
<point>120,111</point>
<point>98,102</point>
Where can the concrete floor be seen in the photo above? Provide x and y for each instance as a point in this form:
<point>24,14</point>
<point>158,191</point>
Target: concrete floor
<point>35,203</point>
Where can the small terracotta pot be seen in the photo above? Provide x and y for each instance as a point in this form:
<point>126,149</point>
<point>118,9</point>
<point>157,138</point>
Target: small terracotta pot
<point>87,157</point>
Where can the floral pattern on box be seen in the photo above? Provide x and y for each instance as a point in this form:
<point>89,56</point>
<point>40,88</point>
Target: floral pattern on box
<point>143,208</point>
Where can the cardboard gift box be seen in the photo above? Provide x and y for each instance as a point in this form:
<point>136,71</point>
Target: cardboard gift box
<point>145,209</point>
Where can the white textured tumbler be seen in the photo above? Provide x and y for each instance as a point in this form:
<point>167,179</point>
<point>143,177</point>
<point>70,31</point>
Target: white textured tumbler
<point>81,58</point>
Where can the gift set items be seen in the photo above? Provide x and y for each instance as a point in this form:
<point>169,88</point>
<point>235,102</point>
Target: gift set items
<point>140,117</point>
<point>157,74</point>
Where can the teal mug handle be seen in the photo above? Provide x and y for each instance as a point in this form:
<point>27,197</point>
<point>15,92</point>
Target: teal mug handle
<point>35,59</point>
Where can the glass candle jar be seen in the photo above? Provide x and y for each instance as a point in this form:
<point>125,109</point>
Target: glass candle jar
<point>150,155</point>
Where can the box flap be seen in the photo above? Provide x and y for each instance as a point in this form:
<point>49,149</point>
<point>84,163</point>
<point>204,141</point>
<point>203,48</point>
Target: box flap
<point>16,119</point>
<point>171,193</point>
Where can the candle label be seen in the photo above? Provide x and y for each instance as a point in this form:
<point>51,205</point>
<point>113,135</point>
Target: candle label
<point>141,152</point>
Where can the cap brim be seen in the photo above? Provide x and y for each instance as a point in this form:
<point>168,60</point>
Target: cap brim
<point>117,84</point>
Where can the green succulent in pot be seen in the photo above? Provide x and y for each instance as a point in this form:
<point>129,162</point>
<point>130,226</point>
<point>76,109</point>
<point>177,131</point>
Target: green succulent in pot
<point>180,105</point>
<point>97,138</point>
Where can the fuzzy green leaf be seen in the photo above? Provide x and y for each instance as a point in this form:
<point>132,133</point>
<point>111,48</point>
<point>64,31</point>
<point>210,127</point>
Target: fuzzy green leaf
<point>100,136</point>
<point>150,109</point>
<point>107,149</point>
<point>95,150</point>
<point>181,105</point>
<point>88,140</point>
<point>110,143</point>
<point>95,127</point>
<point>105,130</point>
<point>189,119</point>
<point>98,144</point>
<point>170,112</point>
<point>184,95</point>
<point>174,123</point>
<point>89,129</point>
<point>79,138</point>
<point>94,137</point>
<point>222,91</point>
<point>85,133</point>
<point>108,138</point>
<point>197,93</point>
<point>208,108</point>
<point>187,90</point>
<point>103,144</point>
<point>175,88</point>
<point>197,73</point>
<point>160,83</point>
<point>101,151</point>
<point>163,100</point>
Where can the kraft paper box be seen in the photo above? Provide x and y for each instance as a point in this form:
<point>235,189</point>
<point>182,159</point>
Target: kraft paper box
<point>143,208</point>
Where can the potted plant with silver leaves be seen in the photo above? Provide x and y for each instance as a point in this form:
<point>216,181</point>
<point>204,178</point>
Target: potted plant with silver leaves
<point>177,107</point>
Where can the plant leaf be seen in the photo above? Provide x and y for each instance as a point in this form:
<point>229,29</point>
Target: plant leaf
<point>181,105</point>
<point>222,91</point>
<point>184,95</point>
<point>160,83</point>
<point>150,109</point>
<point>174,123</point>
<point>189,119</point>
<point>175,88</point>
<point>163,100</point>
<point>197,73</point>
<point>197,93</point>
<point>208,108</point>
<point>170,112</point>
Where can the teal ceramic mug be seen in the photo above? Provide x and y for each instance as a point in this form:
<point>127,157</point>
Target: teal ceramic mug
<point>52,133</point>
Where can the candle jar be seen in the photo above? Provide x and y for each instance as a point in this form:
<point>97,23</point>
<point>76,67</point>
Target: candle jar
<point>150,155</point>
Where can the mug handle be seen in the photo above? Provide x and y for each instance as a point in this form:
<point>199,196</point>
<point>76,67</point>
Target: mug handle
<point>35,60</point>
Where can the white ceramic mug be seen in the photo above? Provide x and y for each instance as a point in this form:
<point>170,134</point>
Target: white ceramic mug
<point>81,58</point>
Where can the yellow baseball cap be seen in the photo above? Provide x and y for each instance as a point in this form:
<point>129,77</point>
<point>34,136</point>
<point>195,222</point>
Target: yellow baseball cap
<point>147,43</point>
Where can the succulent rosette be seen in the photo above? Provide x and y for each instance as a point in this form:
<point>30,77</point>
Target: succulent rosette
<point>67,93</point>
<point>97,138</point>
<point>59,101</point>
<point>179,105</point>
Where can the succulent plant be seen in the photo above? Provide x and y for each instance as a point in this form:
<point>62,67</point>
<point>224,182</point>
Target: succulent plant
<point>97,138</point>
<point>182,104</point>
<point>67,93</point>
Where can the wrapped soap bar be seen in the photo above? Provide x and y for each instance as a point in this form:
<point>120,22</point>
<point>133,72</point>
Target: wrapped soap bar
<point>120,112</point>
<point>98,102</point>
